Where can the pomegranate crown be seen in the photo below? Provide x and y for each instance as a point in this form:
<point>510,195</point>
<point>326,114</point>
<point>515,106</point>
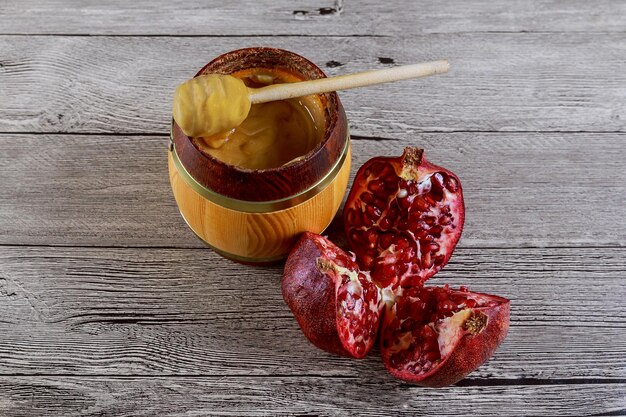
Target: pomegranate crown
<point>411,160</point>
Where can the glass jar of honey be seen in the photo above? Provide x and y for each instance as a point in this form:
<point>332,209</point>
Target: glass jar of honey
<point>249,192</point>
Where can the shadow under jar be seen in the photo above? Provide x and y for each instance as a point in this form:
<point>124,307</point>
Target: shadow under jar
<point>256,215</point>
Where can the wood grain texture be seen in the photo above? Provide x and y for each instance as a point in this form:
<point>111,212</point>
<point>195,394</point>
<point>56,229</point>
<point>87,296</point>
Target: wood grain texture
<point>521,189</point>
<point>84,311</point>
<point>497,82</point>
<point>310,396</point>
<point>177,331</point>
<point>258,237</point>
<point>305,18</point>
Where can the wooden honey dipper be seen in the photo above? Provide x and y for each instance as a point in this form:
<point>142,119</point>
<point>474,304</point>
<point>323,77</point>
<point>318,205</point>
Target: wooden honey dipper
<point>213,103</point>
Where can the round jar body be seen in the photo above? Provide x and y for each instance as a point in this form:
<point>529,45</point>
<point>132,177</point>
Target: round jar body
<point>255,216</point>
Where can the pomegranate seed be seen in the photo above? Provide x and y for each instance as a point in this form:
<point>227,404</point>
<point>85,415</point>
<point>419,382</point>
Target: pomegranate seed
<point>436,231</point>
<point>385,223</point>
<point>380,203</point>
<point>385,240</point>
<point>354,218</point>
<point>413,292</point>
<point>391,184</point>
<point>407,325</point>
<point>445,220</point>
<point>447,306</point>
<point>432,355</point>
<point>417,309</point>
<point>451,184</point>
<point>403,310</point>
<point>430,199</point>
<point>439,259</point>
<point>420,204</point>
<point>408,255</point>
<point>427,261</point>
<point>437,179</point>
<point>367,261</point>
<point>437,193</point>
<point>430,220</point>
<point>388,172</point>
<point>376,185</point>
<point>403,203</point>
<point>402,225</point>
<point>372,212</point>
<point>372,238</point>
<point>431,246</point>
<point>395,360</point>
<point>389,270</point>
<point>393,210</point>
<point>375,169</point>
<point>412,187</point>
<point>367,198</point>
<point>427,332</point>
<point>421,234</point>
<point>401,243</point>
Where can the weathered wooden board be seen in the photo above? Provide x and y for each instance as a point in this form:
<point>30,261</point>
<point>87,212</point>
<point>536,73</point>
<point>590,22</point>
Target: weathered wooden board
<point>83,311</point>
<point>503,82</point>
<point>110,306</point>
<point>521,189</point>
<point>215,396</point>
<point>303,18</point>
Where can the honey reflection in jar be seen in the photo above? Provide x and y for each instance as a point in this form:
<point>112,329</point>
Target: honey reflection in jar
<point>274,133</point>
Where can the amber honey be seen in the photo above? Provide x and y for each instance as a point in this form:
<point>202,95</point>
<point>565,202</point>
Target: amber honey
<point>273,134</point>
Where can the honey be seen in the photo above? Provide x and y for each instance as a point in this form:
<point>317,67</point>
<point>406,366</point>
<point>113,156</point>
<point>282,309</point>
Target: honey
<point>210,104</point>
<point>273,134</point>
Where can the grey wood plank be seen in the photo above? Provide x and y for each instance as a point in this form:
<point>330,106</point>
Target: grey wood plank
<point>521,189</point>
<point>363,17</point>
<point>502,82</point>
<point>66,396</point>
<point>85,311</point>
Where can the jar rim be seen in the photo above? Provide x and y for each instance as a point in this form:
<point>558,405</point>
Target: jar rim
<point>276,183</point>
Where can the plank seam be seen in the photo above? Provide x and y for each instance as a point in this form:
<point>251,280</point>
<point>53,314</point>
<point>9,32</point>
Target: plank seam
<point>155,35</point>
<point>469,382</point>
<point>355,137</point>
<point>300,35</point>
<point>512,247</point>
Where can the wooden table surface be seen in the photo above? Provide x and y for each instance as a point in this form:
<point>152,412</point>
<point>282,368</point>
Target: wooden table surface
<point>110,306</point>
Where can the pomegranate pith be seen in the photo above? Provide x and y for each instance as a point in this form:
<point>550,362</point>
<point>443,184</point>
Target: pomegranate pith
<point>403,218</point>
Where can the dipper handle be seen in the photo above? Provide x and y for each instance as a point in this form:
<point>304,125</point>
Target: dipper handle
<point>345,82</point>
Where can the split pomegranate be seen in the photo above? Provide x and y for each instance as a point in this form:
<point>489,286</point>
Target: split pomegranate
<point>336,305</point>
<point>435,336</point>
<point>403,218</point>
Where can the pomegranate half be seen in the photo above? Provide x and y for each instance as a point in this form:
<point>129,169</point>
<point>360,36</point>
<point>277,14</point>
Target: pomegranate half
<point>403,218</point>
